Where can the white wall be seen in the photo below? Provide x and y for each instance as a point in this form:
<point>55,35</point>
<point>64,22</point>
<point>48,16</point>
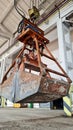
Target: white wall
<point>72,38</point>
<point>53,47</point>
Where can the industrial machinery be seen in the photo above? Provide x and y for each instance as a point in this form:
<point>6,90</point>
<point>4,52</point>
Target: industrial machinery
<point>29,79</point>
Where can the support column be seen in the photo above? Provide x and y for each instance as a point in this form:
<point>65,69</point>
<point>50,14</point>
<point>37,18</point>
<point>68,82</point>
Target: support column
<point>65,54</point>
<point>65,47</point>
<point>61,44</point>
<point>2,69</point>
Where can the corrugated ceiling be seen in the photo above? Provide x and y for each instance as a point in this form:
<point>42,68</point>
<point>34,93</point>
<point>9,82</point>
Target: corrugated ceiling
<point>9,18</point>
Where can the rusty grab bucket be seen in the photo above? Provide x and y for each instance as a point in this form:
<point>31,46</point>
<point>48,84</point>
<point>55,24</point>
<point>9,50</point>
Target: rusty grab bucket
<point>22,86</point>
<point>27,87</point>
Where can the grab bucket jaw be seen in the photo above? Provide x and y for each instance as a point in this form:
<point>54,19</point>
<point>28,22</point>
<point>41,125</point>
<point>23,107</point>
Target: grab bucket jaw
<point>27,87</point>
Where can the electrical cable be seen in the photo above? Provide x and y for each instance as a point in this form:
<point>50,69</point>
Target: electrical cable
<point>21,24</point>
<point>18,9</point>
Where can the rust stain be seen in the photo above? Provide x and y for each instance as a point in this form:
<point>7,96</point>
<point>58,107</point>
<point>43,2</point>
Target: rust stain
<point>23,86</point>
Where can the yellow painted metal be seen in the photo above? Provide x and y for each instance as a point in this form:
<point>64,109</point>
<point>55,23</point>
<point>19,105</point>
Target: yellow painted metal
<point>71,89</point>
<point>3,102</point>
<point>33,13</point>
<point>68,102</point>
<point>67,112</point>
<point>16,105</point>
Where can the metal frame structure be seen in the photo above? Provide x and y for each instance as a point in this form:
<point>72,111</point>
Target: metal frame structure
<point>27,86</point>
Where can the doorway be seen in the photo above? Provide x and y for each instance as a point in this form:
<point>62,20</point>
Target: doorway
<point>57,104</point>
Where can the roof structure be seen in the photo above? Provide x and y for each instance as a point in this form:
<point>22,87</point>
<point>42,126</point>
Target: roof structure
<point>9,18</point>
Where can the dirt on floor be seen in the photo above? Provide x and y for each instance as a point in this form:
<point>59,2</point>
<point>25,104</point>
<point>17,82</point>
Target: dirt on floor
<point>35,119</point>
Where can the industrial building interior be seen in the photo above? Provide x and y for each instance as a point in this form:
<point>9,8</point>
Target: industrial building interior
<point>44,27</point>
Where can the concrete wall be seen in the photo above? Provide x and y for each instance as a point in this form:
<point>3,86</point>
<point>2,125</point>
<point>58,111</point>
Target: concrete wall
<point>53,47</point>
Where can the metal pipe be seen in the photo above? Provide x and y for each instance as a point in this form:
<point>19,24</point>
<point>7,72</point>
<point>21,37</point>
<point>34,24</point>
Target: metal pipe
<point>52,11</point>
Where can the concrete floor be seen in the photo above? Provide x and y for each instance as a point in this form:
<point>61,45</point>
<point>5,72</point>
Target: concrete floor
<point>34,119</point>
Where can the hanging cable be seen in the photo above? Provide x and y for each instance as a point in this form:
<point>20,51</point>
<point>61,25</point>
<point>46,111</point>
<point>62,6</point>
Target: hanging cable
<point>33,3</point>
<point>21,24</point>
<point>18,9</point>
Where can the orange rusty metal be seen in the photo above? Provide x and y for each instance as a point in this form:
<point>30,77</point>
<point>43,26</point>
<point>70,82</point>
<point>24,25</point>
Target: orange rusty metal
<point>36,85</point>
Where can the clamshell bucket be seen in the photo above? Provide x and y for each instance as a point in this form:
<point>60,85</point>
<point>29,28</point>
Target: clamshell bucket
<point>23,86</point>
<point>27,87</point>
